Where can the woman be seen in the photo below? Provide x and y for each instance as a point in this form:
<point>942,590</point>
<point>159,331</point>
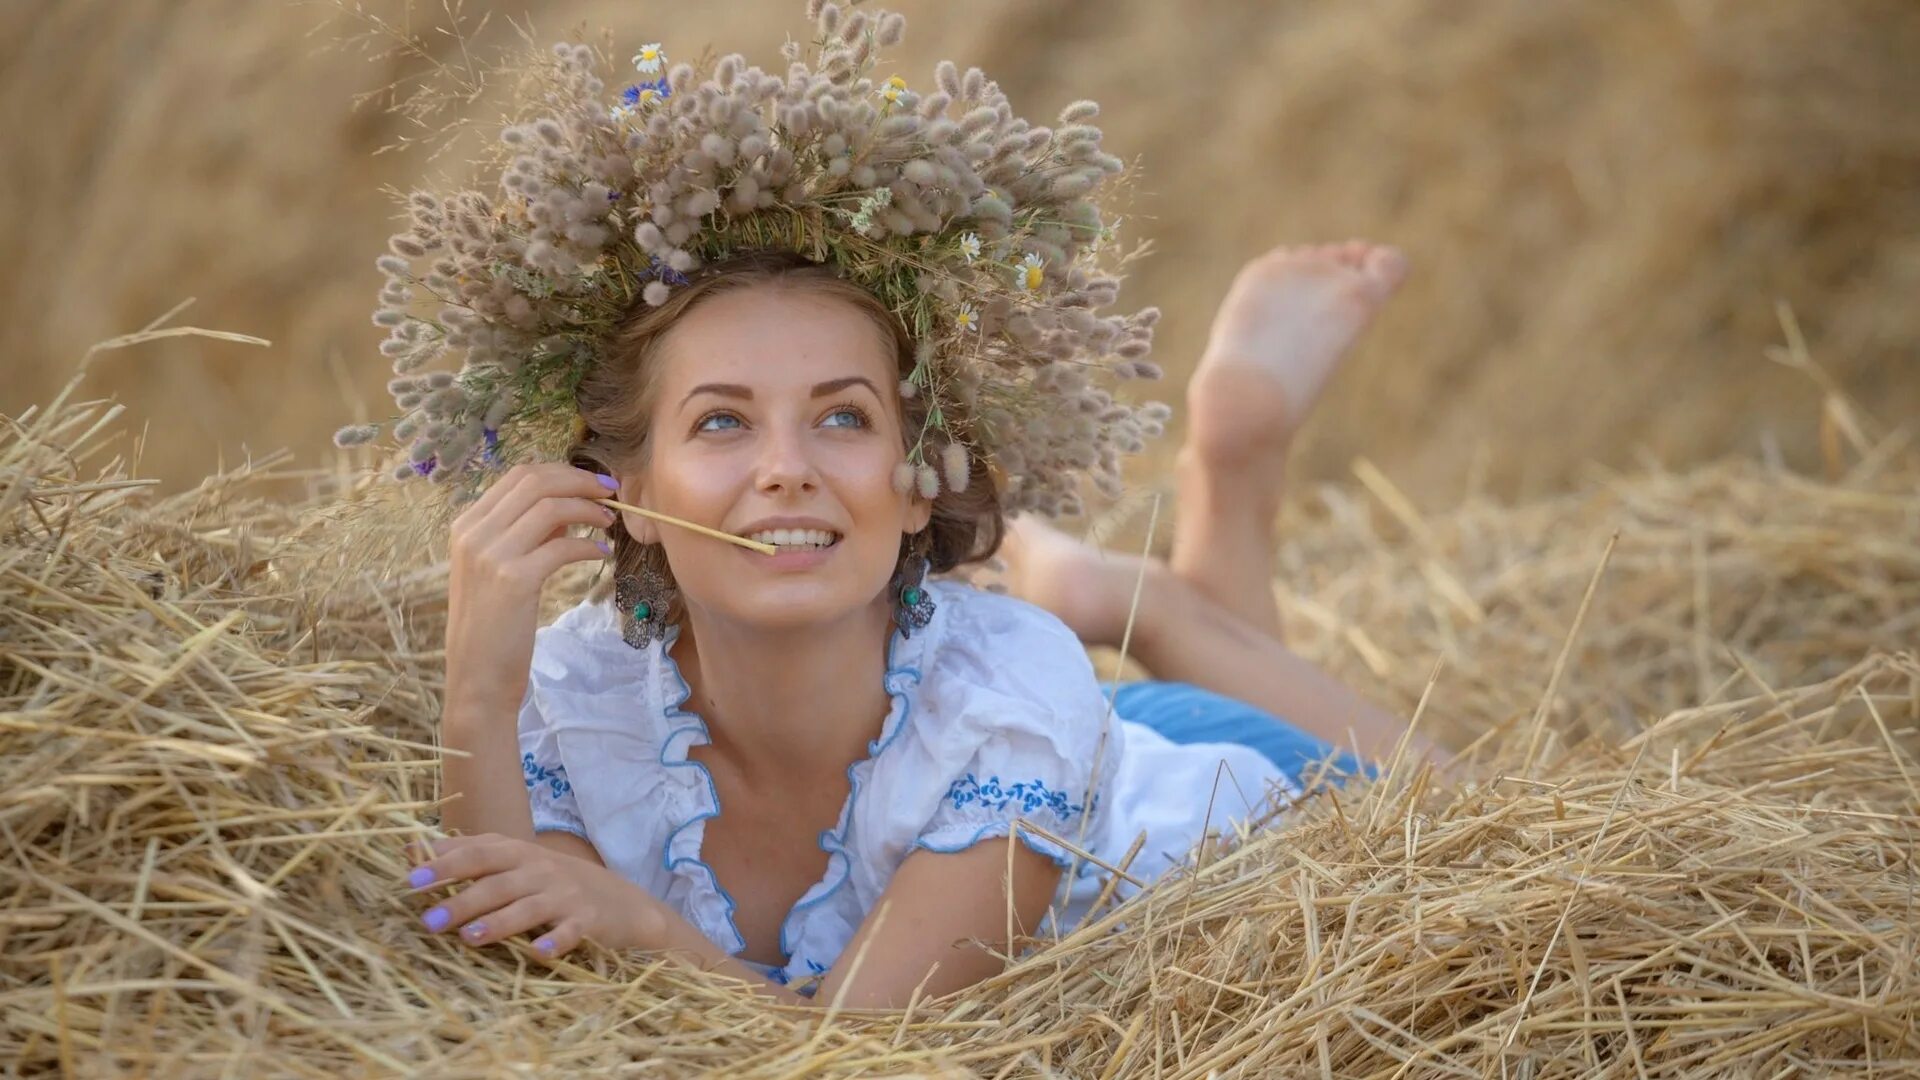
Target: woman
<point>790,703</point>
<point>860,324</point>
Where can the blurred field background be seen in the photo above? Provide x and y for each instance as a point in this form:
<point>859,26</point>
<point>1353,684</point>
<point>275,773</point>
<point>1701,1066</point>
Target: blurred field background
<point>1604,202</point>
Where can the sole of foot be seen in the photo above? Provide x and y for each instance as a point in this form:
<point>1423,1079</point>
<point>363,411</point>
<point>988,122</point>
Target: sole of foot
<point>1288,318</point>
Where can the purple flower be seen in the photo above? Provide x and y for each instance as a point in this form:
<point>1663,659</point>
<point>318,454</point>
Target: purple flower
<point>425,467</point>
<point>492,438</point>
<point>667,273</point>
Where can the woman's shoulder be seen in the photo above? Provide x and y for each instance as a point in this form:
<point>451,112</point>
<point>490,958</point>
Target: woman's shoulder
<point>582,663</point>
<point>984,622</point>
<point>1005,662</point>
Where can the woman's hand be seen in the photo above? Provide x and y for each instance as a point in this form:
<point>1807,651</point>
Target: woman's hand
<point>518,886</point>
<point>504,548</point>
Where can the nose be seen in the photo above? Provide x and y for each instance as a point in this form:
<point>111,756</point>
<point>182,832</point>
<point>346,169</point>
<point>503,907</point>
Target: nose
<point>786,464</point>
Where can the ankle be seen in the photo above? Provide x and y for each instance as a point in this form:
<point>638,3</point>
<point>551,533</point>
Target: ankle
<point>1252,486</point>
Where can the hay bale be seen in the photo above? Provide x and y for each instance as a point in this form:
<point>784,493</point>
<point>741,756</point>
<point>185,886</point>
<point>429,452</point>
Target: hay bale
<point>1602,202</point>
<point>1683,844</point>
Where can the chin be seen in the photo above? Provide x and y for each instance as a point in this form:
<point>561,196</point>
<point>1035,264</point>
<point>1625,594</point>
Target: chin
<point>783,609</point>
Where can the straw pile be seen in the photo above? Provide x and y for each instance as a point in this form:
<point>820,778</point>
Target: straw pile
<point>1683,844</point>
<point>1603,196</point>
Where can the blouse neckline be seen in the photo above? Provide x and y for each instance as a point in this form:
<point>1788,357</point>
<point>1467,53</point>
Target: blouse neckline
<point>682,855</point>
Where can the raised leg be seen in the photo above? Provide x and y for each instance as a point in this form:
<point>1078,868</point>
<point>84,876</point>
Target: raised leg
<point>1284,325</point>
<point>1182,635</point>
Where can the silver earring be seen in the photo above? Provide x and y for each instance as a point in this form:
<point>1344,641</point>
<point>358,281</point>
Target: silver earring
<point>912,607</point>
<point>642,599</point>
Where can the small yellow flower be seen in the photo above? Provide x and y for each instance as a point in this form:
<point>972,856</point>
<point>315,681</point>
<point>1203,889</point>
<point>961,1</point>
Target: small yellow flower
<point>970,246</point>
<point>966,319</point>
<point>1032,272</point>
<point>890,93</point>
<point>649,58</point>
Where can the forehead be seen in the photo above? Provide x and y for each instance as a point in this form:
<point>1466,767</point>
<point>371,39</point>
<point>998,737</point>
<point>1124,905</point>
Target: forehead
<point>774,336</point>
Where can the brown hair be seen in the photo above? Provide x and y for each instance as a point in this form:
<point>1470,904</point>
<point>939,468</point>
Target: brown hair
<point>616,399</point>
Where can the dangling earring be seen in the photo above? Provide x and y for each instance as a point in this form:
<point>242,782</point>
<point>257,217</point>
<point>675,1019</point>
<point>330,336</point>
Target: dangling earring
<point>642,599</point>
<point>912,606</point>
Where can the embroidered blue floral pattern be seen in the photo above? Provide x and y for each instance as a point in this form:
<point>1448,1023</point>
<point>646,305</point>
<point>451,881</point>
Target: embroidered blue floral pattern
<point>992,794</point>
<point>555,778</point>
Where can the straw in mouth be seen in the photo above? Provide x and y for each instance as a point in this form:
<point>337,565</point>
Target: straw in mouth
<point>759,546</point>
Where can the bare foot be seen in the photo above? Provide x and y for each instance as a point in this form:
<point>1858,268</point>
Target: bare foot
<point>1088,589</point>
<point>1285,323</point>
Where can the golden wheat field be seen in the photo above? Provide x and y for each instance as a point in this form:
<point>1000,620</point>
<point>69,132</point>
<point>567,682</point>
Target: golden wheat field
<point>1621,500</point>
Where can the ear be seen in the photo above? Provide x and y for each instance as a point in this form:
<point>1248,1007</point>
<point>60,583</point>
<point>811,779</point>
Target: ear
<point>643,529</point>
<point>919,514</point>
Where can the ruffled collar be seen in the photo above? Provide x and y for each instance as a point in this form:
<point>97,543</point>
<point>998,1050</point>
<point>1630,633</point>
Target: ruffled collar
<point>709,906</point>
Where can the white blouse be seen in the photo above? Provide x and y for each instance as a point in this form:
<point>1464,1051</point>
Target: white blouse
<point>996,716</point>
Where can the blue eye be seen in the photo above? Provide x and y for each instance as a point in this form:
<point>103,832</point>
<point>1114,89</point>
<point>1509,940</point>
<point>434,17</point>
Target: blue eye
<point>858,418</point>
<point>707,420</point>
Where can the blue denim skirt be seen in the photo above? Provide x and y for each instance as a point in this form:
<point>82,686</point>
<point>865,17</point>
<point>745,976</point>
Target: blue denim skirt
<point>1184,713</point>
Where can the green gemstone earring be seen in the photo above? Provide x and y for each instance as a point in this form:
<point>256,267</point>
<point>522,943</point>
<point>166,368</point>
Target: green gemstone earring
<point>642,599</point>
<point>912,607</point>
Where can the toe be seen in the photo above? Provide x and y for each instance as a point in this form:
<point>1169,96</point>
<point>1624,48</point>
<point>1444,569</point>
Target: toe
<point>1386,265</point>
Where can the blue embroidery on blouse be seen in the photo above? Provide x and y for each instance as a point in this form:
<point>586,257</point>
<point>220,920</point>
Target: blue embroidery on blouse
<point>816,967</point>
<point>555,778</point>
<point>1030,795</point>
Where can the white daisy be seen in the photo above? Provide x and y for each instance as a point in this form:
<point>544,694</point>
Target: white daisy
<point>1032,271</point>
<point>966,319</point>
<point>895,86</point>
<point>649,59</point>
<point>622,113</point>
<point>970,246</point>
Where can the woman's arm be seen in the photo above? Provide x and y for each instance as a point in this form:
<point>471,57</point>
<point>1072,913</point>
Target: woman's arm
<point>942,913</point>
<point>937,927</point>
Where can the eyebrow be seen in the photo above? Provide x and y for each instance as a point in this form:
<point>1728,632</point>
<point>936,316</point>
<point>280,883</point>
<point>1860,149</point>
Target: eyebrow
<point>735,390</point>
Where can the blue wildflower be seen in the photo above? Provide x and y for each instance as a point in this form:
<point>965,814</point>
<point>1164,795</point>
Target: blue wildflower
<point>425,467</point>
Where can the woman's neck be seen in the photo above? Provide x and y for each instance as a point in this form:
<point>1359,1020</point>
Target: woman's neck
<point>792,700</point>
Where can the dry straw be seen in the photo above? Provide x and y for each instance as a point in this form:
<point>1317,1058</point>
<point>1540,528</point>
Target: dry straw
<point>217,738</point>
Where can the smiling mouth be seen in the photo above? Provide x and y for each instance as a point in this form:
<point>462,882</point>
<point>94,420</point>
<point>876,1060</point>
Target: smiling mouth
<point>797,539</point>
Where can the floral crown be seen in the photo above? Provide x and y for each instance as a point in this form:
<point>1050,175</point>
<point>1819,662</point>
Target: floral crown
<point>979,231</point>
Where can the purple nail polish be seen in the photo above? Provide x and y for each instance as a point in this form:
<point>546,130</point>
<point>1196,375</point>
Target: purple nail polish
<point>421,877</point>
<point>437,919</point>
<point>474,930</point>
<point>605,548</point>
<point>545,945</point>
<point>608,482</point>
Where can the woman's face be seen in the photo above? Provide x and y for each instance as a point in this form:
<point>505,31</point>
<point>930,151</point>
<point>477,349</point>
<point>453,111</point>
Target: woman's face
<point>777,417</point>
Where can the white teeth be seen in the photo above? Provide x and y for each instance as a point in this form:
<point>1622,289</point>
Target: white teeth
<point>795,537</point>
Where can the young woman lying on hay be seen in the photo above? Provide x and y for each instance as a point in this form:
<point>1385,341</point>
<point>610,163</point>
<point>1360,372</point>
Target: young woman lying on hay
<point>846,331</point>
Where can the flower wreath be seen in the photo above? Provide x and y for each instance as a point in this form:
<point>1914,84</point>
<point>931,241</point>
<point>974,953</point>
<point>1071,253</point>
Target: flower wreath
<point>981,232</point>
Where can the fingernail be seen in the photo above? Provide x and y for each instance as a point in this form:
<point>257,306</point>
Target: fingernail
<point>474,931</point>
<point>421,877</point>
<point>605,548</point>
<point>437,919</point>
<point>545,945</point>
<point>608,482</point>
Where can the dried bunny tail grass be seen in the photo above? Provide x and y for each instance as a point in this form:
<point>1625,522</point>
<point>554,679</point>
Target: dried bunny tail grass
<point>984,234</point>
<point>1679,841</point>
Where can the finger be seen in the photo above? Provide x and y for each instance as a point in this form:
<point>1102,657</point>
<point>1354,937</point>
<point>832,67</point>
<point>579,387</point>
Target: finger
<point>555,554</point>
<point>547,519</point>
<point>559,941</point>
<point>541,482</point>
<point>464,858</point>
<point>478,901</point>
<point>527,914</point>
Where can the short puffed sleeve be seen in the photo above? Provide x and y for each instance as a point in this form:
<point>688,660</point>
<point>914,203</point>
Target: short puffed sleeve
<point>549,792</point>
<point>1018,731</point>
